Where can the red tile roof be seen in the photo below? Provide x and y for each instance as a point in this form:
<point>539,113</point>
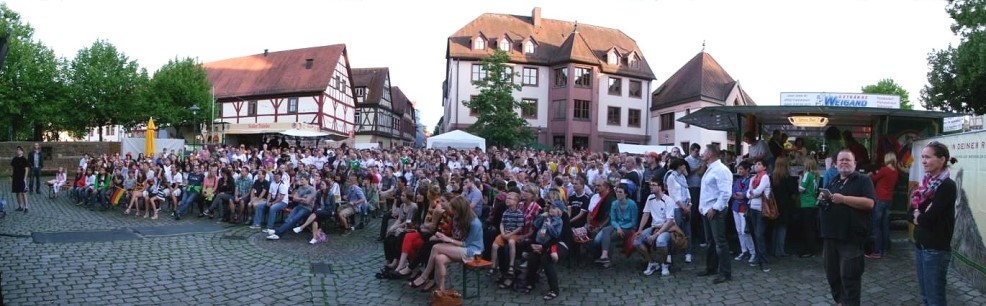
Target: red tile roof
<point>281,72</point>
<point>702,78</point>
<point>556,42</point>
<point>372,79</point>
<point>400,101</point>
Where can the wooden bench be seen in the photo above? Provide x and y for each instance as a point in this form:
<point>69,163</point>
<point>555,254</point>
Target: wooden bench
<point>51,188</point>
<point>476,266</point>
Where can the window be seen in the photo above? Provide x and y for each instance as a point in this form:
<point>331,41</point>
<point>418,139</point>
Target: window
<point>667,122</point>
<point>504,44</point>
<point>479,43</point>
<point>356,117</point>
<point>361,94</point>
<point>633,118</point>
<point>615,86</point>
<point>612,58</point>
<point>635,88</point>
<point>581,110</point>
<point>528,47</point>
<point>530,77</point>
<point>292,105</point>
<point>386,90</point>
<point>580,142</point>
<point>334,82</point>
<point>110,130</point>
<point>632,60</point>
<point>613,115</point>
<point>529,108</point>
<point>508,74</point>
<point>561,77</point>
<point>252,108</point>
<point>478,72</point>
<point>558,109</point>
<point>558,142</point>
<point>583,77</point>
<point>472,111</point>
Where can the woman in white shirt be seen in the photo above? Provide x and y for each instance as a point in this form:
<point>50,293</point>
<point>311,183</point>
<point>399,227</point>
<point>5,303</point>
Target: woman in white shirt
<point>759,188</point>
<point>677,185</point>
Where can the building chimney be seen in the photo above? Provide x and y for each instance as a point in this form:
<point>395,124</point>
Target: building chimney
<point>265,52</point>
<point>536,16</point>
<point>309,62</point>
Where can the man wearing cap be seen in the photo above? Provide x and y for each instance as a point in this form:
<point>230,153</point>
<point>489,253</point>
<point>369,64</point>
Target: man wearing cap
<point>304,200</point>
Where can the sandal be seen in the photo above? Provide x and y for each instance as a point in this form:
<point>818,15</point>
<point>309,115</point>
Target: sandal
<point>430,285</point>
<point>527,289</point>
<point>413,285</point>
<point>551,295</point>
<point>506,284</point>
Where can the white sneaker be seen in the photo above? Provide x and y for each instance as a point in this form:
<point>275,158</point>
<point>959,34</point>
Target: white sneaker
<point>740,256</point>
<point>313,241</point>
<point>651,268</point>
<point>665,271</point>
<point>753,258</point>
<point>668,260</point>
<point>688,258</point>
<point>273,237</point>
<point>269,231</point>
<point>297,230</point>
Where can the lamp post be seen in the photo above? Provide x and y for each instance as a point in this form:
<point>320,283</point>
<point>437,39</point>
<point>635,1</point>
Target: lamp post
<point>195,111</point>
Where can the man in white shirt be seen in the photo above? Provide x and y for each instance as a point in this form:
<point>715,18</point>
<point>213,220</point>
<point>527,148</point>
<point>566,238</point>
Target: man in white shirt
<point>277,200</point>
<point>652,242</point>
<point>717,188</point>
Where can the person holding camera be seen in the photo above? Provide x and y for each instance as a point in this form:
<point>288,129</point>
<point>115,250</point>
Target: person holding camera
<point>844,214</point>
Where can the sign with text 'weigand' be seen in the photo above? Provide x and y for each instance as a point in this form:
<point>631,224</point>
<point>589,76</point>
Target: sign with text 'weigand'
<point>839,99</point>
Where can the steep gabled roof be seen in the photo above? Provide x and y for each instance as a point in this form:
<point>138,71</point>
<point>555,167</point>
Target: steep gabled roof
<point>558,42</point>
<point>372,79</point>
<point>701,79</point>
<point>400,100</point>
<point>281,72</point>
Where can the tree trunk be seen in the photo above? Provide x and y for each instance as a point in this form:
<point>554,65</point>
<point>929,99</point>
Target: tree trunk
<point>99,130</point>
<point>38,132</point>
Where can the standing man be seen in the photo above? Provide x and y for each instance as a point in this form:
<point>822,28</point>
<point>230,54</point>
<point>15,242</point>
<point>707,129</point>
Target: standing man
<point>845,220</point>
<point>36,162</point>
<point>694,179</point>
<point>717,189</point>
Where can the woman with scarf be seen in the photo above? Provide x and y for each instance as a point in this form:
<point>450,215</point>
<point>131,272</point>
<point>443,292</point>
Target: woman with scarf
<point>759,190</point>
<point>933,215</point>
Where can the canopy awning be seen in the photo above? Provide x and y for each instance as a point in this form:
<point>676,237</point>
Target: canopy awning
<point>725,118</point>
<point>304,133</point>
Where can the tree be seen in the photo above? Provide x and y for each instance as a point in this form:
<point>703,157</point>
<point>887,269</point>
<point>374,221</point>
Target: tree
<point>108,88</point>
<point>173,90</point>
<point>32,84</point>
<point>889,87</point>
<point>438,126</point>
<point>957,80</point>
<point>497,118</point>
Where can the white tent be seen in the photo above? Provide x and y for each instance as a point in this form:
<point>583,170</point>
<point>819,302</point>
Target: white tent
<point>641,149</point>
<point>458,140</point>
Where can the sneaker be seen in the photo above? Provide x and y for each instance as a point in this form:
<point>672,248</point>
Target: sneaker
<point>741,256</point>
<point>268,231</point>
<point>602,261</point>
<point>273,237</point>
<point>665,271</point>
<point>764,268</point>
<point>688,258</point>
<point>753,259</point>
<point>703,245</point>
<point>296,230</point>
<point>255,227</point>
<point>668,260</point>
<point>651,268</point>
<point>753,264</point>
<point>313,241</point>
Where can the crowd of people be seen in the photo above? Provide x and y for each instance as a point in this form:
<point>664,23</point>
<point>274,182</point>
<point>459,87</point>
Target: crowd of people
<point>526,210</point>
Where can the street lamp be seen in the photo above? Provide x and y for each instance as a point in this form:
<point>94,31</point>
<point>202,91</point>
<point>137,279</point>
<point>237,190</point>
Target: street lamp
<point>195,110</point>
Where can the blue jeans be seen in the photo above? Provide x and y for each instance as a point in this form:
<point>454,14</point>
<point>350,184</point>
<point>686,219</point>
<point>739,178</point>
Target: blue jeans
<point>297,214</point>
<point>932,267</point>
<point>759,225</point>
<point>686,226</point>
<point>258,216</point>
<point>780,236</point>
<point>187,199</point>
<point>881,227</point>
<point>662,240</point>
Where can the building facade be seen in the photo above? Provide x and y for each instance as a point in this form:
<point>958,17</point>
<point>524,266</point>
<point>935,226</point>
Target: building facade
<point>379,108</point>
<point>265,94</point>
<point>699,83</point>
<point>582,86</point>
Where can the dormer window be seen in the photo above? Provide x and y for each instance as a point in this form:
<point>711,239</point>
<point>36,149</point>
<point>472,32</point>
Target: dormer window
<point>504,44</point>
<point>612,57</point>
<point>528,47</point>
<point>632,60</point>
<point>479,43</point>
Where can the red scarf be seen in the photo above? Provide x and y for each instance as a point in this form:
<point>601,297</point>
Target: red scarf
<point>595,210</point>
<point>756,180</point>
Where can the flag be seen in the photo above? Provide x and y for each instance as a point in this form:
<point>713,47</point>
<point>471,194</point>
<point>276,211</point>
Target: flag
<point>117,195</point>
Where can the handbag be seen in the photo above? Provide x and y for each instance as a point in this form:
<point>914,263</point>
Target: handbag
<point>446,298</point>
<point>769,207</point>
<point>678,238</point>
<point>581,234</point>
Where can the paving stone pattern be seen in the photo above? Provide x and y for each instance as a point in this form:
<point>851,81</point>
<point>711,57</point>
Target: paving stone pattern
<point>237,266</point>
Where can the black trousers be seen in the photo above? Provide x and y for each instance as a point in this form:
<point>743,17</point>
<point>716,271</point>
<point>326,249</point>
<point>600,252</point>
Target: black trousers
<point>392,246</point>
<point>698,229</point>
<point>844,267</point>
<point>422,255</point>
<point>537,261</point>
<point>808,217</point>
<point>389,204</point>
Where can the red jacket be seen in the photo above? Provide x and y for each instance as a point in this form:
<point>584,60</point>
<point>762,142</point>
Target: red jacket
<point>884,181</point>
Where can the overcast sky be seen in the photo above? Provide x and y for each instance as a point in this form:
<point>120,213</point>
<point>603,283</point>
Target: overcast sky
<point>769,46</point>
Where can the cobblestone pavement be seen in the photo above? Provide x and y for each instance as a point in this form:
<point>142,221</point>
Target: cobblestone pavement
<point>239,267</point>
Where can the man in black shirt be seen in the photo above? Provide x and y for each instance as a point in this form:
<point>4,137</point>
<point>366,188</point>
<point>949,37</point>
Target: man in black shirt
<point>845,219</point>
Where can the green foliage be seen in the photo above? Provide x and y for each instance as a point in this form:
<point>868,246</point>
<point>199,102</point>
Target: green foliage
<point>889,87</point>
<point>109,88</point>
<point>438,127</point>
<point>957,80</point>
<point>497,118</point>
<point>177,86</point>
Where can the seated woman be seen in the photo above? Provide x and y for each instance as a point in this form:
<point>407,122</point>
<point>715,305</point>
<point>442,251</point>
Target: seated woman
<point>58,182</point>
<point>464,224</point>
<point>623,222</point>
<point>418,245</point>
<point>394,239</point>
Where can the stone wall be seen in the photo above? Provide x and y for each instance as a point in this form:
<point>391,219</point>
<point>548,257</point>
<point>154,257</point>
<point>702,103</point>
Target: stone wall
<point>56,154</point>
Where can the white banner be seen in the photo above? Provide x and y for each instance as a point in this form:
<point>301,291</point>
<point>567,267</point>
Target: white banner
<point>839,99</point>
<point>952,124</point>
